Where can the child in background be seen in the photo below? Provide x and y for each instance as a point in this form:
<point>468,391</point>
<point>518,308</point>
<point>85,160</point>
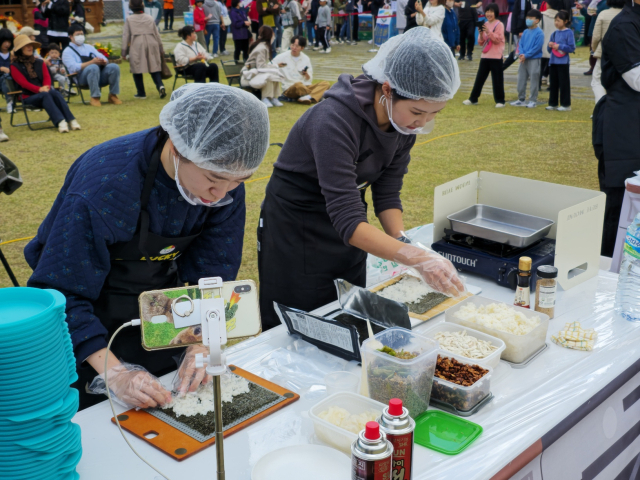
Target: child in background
<point>56,68</point>
<point>200,21</point>
<point>530,55</point>
<point>450,28</point>
<point>323,25</point>
<point>561,45</point>
<point>491,38</point>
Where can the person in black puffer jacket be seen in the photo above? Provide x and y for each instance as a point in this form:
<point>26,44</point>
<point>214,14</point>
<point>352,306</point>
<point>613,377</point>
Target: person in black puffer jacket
<point>57,11</point>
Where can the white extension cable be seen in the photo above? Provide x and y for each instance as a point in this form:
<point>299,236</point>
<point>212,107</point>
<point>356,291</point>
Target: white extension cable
<point>132,323</point>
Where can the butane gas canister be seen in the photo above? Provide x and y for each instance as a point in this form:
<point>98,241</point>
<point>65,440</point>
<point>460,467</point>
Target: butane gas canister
<point>398,426</point>
<point>371,455</point>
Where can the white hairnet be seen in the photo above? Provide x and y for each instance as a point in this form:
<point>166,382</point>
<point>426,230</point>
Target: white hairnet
<point>219,128</point>
<point>417,65</point>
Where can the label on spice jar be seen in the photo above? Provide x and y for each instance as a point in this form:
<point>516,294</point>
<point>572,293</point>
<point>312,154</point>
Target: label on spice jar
<point>523,297</point>
<point>547,296</point>
<point>402,455</point>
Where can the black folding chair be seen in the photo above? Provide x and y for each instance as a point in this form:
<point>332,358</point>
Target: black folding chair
<point>74,82</point>
<point>19,106</point>
<point>233,72</point>
<point>232,69</point>
<point>180,73</point>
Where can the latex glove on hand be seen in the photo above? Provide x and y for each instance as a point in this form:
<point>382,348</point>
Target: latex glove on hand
<point>189,377</point>
<point>438,272</point>
<point>132,386</point>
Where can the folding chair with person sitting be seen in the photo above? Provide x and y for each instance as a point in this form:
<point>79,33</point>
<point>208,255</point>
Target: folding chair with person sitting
<point>92,68</point>
<point>193,57</point>
<point>32,75</point>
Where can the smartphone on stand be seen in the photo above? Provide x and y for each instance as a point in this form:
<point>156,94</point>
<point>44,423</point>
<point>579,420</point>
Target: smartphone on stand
<point>171,318</point>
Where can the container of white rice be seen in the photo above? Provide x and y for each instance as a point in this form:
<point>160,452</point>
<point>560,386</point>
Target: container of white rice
<point>523,331</point>
<point>351,404</point>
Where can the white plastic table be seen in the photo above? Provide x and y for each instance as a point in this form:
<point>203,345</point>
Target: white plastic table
<point>528,425</point>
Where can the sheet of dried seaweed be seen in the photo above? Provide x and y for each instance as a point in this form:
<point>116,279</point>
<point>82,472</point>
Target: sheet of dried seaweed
<point>241,406</point>
<point>426,303</point>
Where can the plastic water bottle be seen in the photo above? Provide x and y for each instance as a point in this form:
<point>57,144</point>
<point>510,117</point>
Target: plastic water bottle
<point>628,292</point>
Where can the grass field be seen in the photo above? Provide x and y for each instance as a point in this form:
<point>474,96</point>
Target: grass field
<point>531,143</point>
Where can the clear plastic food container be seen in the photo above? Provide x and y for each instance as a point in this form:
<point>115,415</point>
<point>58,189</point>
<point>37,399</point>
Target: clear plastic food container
<point>460,397</point>
<point>392,377</point>
<point>492,360</point>
<point>334,436</point>
<point>519,347</point>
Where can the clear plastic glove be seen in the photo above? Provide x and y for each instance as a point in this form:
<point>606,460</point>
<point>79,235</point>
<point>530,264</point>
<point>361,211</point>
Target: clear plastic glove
<point>132,386</point>
<point>438,272</point>
<point>189,377</point>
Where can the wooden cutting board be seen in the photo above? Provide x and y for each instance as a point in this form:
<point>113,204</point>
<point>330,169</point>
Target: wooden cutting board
<point>178,444</point>
<point>429,314</point>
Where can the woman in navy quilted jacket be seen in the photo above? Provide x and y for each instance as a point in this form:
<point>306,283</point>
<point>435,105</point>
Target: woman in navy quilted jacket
<point>149,211</point>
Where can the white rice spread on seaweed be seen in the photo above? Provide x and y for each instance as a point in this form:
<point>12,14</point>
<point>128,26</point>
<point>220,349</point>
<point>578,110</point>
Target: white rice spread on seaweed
<point>408,290</point>
<point>201,401</point>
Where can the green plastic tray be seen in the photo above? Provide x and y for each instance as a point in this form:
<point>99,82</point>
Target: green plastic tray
<point>445,433</point>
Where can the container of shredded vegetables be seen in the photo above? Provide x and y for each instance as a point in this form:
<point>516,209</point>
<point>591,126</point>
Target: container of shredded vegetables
<point>339,418</point>
<point>467,343</point>
<point>523,331</point>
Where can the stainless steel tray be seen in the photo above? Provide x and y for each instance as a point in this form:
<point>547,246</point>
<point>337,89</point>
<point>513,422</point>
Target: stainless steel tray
<point>499,225</point>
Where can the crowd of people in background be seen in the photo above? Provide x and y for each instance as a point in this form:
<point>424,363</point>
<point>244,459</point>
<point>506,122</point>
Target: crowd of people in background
<point>52,61</point>
<point>541,42</point>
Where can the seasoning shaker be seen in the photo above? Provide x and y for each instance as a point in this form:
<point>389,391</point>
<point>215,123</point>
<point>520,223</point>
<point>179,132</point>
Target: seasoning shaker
<point>523,290</point>
<point>546,287</point>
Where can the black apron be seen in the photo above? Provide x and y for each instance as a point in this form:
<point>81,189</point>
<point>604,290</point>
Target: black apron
<point>300,253</point>
<point>299,250</point>
<point>146,262</point>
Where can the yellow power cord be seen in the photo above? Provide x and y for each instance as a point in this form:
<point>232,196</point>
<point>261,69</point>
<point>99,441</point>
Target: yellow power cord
<point>16,240</point>
<point>496,124</point>
<point>416,145</point>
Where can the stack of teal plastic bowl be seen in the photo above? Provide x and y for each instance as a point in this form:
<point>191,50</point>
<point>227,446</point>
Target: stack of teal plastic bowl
<point>37,367</point>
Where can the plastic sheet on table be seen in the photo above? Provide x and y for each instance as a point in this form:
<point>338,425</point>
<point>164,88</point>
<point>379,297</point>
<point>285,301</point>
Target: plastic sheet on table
<point>299,366</point>
<point>526,406</point>
<point>279,431</point>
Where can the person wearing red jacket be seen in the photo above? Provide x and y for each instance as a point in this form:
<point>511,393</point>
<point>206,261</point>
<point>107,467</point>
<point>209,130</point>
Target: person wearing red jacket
<point>254,16</point>
<point>32,75</point>
<point>199,21</point>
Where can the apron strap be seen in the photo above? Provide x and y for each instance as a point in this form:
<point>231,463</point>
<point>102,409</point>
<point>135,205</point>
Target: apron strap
<point>144,200</point>
<point>363,133</point>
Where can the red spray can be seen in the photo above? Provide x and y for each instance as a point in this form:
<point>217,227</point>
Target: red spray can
<point>371,455</point>
<point>396,423</point>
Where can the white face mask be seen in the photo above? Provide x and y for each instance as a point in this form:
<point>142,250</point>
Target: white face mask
<point>428,127</point>
<point>193,199</point>
<point>78,40</point>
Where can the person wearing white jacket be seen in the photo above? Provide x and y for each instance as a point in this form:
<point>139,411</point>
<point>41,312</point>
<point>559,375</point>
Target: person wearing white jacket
<point>432,16</point>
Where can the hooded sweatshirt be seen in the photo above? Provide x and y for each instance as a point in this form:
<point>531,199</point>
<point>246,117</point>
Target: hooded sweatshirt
<point>325,144</point>
<point>212,7</point>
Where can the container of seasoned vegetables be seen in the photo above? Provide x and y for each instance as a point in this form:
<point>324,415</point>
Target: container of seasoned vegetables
<point>400,364</point>
<point>459,383</point>
<point>467,343</point>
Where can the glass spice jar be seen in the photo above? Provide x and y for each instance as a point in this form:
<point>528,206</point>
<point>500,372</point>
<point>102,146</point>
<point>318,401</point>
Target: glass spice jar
<point>546,286</point>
